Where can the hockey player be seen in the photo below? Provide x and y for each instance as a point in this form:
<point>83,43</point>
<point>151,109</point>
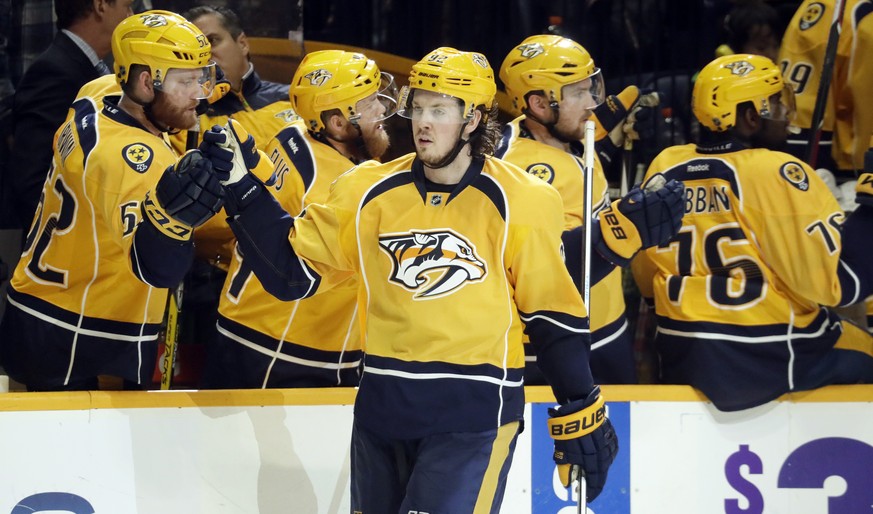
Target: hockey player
<point>114,224</point>
<point>848,116</point>
<point>264,342</point>
<point>456,253</point>
<point>737,293</point>
<point>553,81</point>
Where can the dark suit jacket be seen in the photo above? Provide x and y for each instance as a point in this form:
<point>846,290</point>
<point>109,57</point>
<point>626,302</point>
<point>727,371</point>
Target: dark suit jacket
<point>42,99</point>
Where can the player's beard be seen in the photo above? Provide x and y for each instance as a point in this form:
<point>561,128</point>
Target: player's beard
<point>376,142</point>
<point>173,116</point>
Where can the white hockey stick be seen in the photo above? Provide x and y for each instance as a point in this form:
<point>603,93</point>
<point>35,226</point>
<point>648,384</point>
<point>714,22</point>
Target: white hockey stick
<point>582,504</point>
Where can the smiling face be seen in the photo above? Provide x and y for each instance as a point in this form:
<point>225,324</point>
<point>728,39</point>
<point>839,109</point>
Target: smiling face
<point>436,123</point>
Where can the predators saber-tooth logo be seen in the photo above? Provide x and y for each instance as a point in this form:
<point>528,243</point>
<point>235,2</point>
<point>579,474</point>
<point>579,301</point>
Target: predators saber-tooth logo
<point>432,263</point>
<point>318,77</point>
<point>530,50</point>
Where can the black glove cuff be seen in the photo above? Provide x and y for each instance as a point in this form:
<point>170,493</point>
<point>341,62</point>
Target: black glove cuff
<point>241,194</point>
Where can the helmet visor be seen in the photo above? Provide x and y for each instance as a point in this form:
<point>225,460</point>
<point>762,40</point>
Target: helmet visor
<point>380,105</point>
<point>424,106</point>
<point>780,106</point>
<point>189,82</point>
<point>590,92</point>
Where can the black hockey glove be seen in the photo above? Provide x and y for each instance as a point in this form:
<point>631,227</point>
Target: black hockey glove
<point>623,119</point>
<point>864,187</point>
<point>643,218</point>
<point>585,440</point>
<point>186,195</point>
<point>250,170</point>
<point>219,90</point>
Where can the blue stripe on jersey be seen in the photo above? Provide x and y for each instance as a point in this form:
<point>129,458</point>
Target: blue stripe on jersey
<point>398,180</point>
<point>560,321</point>
<point>862,9</point>
<point>744,378</point>
<point>436,397</point>
<point>96,327</point>
<point>262,234</point>
<point>503,144</point>
<point>303,355</point>
<point>703,169</point>
<point>746,334</point>
<point>489,187</point>
<point>86,126</point>
<point>295,145</point>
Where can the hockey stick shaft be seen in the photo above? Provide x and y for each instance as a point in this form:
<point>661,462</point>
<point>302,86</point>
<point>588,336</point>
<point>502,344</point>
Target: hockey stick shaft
<point>171,340</point>
<point>581,504</point>
<point>824,85</point>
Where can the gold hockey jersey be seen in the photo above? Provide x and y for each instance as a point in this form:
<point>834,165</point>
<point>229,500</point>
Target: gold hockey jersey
<point>75,269</point>
<point>737,291</point>
<point>449,276</point>
<point>847,112</point>
<point>320,333</point>
<point>565,172</point>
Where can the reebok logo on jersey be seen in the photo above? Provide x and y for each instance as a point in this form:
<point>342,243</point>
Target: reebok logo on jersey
<point>432,263</point>
<point>138,156</point>
<point>794,174</point>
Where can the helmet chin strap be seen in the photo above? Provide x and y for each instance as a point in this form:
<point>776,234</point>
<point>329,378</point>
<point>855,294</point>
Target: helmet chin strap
<point>450,157</point>
<point>147,110</point>
<point>550,125</point>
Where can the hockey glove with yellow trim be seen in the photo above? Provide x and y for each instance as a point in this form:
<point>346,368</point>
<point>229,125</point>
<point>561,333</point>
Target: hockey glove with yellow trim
<point>643,218</point>
<point>219,91</point>
<point>622,119</point>
<point>864,187</point>
<point>584,438</point>
<point>186,195</point>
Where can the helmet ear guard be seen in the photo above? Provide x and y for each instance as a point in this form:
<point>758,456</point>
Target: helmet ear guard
<point>729,81</point>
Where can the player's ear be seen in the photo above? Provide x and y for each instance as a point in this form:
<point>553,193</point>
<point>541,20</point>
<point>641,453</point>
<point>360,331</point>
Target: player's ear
<point>473,122</point>
<point>243,43</point>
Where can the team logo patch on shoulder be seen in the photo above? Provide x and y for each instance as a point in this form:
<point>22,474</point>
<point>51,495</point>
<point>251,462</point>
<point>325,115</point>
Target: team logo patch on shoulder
<point>432,263</point>
<point>795,175</point>
<point>138,156</point>
<point>813,14</point>
<point>542,171</point>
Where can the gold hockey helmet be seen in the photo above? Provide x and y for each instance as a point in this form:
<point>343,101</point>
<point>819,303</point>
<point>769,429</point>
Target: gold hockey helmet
<point>547,63</point>
<point>334,79</point>
<point>733,79</point>
<point>466,76</point>
<point>162,41</point>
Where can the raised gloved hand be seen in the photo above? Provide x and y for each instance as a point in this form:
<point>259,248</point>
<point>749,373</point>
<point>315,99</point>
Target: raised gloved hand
<point>864,187</point>
<point>219,90</point>
<point>626,117</point>
<point>643,218</point>
<point>185,196</point>
<point>232,149</point>
<point>584,438</point>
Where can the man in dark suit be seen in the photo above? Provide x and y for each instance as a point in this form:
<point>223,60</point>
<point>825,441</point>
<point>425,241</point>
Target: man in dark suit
<point>49,86</point>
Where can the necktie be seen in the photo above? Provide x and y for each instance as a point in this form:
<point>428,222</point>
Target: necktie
<point>102,69</point>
